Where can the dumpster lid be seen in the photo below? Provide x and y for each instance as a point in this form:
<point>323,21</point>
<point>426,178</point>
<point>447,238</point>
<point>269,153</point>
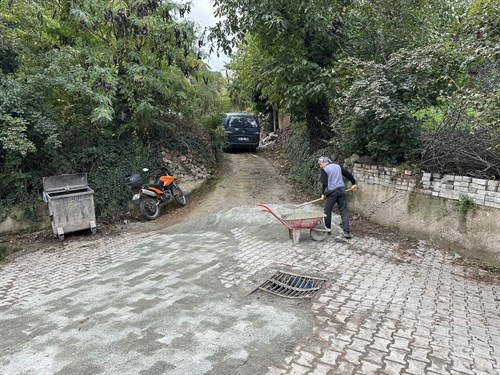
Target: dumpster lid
<point>65,182</point>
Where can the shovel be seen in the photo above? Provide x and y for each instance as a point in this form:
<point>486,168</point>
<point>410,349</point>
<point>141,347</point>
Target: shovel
<point>314,201</point>
<point>305,204</point>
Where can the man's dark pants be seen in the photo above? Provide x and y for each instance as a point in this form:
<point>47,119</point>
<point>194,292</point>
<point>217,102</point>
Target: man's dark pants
<point>338,196</point>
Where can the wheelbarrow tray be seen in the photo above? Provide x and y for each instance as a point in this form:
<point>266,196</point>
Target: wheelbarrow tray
<point>307,221</point>
<point>296,222</point>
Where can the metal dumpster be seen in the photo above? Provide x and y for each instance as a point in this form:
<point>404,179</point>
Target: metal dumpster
<point>71,203</point>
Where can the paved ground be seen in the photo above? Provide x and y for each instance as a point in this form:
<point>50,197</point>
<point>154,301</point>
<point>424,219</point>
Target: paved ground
<point>180,301</point>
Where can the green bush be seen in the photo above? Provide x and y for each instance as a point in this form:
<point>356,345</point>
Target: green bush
<point>305,170</point>
<point>465,204</point>
<point>218,136</point>
<point>107,161</point>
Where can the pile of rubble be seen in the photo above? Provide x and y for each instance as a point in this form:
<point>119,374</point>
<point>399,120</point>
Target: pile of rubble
<point>186,167</point>
<point>269,140</point>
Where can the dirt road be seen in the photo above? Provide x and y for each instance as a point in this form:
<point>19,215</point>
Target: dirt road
<point>244,178</point>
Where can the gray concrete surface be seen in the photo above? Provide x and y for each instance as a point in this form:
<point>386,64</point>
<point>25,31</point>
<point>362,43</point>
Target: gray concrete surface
<point>180,301</point>
<point>476,234</point>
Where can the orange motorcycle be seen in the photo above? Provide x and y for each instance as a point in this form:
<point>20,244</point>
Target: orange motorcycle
<point>151,196</point>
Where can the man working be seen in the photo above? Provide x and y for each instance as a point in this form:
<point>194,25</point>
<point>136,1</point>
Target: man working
<point>334,191</point>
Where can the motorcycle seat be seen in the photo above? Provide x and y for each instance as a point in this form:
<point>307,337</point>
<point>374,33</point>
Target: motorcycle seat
<point>157,185</point>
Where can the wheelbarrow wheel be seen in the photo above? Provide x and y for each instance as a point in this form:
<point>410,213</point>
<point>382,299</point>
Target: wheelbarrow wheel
<point>319,235</point>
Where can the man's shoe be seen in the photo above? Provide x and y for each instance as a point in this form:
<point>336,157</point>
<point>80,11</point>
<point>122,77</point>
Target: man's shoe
<point>347,235</point>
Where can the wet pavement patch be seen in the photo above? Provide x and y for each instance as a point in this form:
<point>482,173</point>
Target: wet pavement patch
<point>291,285</point>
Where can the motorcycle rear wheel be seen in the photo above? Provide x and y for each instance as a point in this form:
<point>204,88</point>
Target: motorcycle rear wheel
<point>149,208</point>
<point>179,196</point>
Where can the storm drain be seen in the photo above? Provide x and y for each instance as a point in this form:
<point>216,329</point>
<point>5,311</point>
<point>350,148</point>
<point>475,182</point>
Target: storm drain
<point>290,285</point>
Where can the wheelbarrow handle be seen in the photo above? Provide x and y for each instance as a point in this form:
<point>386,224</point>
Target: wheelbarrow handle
<point>268,210</point>
<point>265,208</point>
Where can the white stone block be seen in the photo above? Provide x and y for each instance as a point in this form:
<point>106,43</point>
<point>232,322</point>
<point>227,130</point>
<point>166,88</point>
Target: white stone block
<point>492,186</point>
<point>492,204</point>
<point>451,194</point>
<point>479,181</point>
<point>479,201</point>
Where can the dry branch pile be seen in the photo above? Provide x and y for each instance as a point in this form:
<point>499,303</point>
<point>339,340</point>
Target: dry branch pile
<point>460,149</point>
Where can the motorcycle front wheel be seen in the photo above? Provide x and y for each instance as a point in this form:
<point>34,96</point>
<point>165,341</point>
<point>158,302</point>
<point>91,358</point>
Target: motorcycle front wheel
<point>149,208</point>
<point>179,195</point>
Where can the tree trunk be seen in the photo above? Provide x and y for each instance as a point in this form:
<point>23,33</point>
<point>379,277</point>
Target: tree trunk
<point>318,124</point>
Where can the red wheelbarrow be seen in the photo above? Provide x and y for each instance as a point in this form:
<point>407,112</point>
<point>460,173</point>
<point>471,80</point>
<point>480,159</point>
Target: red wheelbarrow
<point>314,222</point>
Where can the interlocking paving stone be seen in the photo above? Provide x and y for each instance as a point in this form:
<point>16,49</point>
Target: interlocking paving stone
<point>320,369</point>
<point>393,367</point>
<point>380,313</point>
<point>416,367</point>
<point>369,368</point>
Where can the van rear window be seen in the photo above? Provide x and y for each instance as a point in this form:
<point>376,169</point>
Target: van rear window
<point>243,122</point>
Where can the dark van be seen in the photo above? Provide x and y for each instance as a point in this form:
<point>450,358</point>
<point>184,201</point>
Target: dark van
<point>242,130</point>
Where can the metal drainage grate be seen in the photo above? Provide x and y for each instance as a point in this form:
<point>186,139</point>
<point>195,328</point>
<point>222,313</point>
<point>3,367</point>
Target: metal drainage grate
<point>290,285</point>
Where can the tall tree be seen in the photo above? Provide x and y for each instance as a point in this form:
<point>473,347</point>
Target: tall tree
<point>298,40</point>
<point>81,78</point>
<point>378,28</point>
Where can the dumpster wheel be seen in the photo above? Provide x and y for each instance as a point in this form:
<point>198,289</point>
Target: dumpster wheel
<point>60,234</point>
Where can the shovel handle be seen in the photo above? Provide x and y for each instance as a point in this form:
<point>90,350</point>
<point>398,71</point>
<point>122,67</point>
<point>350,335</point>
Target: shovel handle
<point>305,204</point>
<point>316,200</point>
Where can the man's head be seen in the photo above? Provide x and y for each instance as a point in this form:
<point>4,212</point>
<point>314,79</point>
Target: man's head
<point>323,161</point>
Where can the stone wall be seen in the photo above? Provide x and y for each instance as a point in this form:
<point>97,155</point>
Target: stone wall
<point>186,166</point>
<point>427,206</point>
<point>483,192</point>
